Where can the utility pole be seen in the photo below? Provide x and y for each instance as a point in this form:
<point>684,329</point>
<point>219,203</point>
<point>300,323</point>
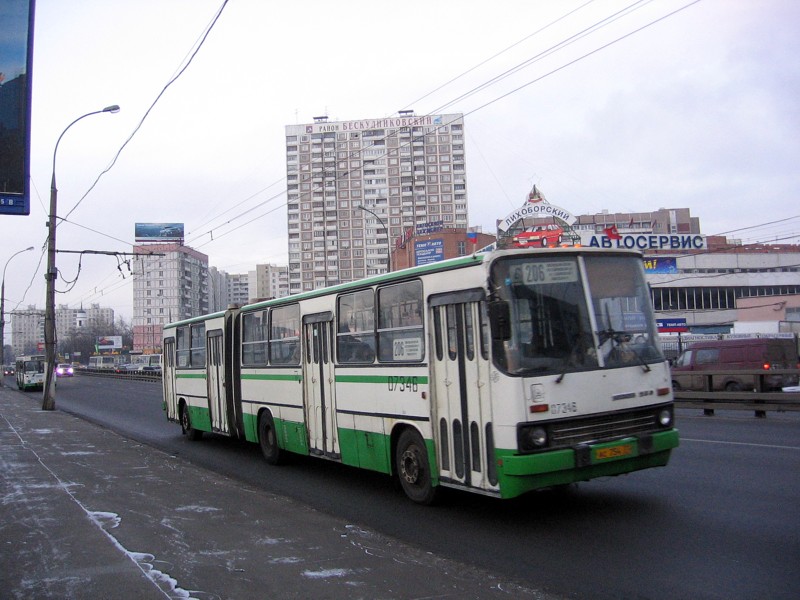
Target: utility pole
<point>49,394</point>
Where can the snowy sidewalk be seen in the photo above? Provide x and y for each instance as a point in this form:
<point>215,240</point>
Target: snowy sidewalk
<point>87,513</point>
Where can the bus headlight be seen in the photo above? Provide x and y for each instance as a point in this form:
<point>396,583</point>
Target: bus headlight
<point>665,417</point>
<point>532,438</point>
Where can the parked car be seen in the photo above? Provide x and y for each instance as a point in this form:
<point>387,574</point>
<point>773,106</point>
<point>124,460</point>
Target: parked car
<point>64,370</point>
<point>8,370</point>
<point>539,236</point>
<point>735,354</point>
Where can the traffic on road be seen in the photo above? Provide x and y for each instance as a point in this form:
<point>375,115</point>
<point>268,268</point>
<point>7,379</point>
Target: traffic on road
<point>718,522</point>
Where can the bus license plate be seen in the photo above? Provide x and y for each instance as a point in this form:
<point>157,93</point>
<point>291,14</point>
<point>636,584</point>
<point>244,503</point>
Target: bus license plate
<point>613,452</point>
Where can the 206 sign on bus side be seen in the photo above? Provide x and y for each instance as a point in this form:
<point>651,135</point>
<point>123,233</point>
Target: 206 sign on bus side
<point>498,373</point>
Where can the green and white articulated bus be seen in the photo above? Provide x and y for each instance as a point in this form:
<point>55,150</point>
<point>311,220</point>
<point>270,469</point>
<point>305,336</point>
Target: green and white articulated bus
<point>496,373</point>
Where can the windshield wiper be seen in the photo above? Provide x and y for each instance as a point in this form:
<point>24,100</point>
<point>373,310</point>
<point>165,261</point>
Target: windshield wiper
<point>582,344</point>
<point>618,338</point>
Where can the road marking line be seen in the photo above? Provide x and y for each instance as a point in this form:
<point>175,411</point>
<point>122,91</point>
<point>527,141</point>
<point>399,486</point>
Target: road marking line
<point>683,439</point>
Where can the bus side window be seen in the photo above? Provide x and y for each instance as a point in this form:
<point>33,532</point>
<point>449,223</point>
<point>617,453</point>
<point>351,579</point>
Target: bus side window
<point>198,347</point>
<point>437,332</point>
<point>182,347</point>
<point>284,336</point>
<point>400,332</point>
<point>355,328</point>
<point>254,338</point>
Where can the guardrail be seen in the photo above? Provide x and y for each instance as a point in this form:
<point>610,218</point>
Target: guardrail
<point>129,375</point>
<point>756,399</point>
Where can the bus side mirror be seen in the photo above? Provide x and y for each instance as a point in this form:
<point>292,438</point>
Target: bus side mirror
<point>500,320</point>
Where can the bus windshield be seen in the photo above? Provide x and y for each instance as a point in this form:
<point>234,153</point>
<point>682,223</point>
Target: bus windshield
<point>570,315</point>
<point>33,366</point>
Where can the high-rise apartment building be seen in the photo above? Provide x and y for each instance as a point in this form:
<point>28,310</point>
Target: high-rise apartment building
<point>265,282</point>
<point>27,325</point>
<point>27,330</point>
<point>354,186</point>
<point>95,317</point>
<point>268,281</point>
<point>217,290</point>
<point>238,288</point>
<point>170,283</point>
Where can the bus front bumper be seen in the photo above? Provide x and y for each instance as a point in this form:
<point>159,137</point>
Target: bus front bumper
<point>520,473</point>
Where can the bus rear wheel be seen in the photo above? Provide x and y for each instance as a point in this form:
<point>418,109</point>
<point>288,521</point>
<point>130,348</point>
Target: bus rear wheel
<point>268,440</point>
<point>413,468</point>
<point>186,425</point>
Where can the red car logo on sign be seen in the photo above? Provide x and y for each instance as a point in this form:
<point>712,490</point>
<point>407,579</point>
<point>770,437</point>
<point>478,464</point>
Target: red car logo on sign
<point>539,236</point>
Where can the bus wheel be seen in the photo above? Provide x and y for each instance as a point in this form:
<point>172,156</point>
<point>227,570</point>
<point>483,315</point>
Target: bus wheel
<point>186,425</point>
<point>413,468</point>
<point>268,440</point>
<point>733,386</point>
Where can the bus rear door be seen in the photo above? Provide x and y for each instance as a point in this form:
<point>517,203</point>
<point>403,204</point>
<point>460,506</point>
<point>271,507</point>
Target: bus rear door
<point>215,380</point>
<point>168,379</point>
<point>318,388</point>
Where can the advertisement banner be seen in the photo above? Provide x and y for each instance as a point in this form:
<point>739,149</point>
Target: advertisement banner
<point>660,264</point>
<point>108,342</point>
<point>429,251</point>
<point>159,232</point>
<point>430,227</point>
<point>672,325</point>
<point>16,59</point>
<point>610,238</point>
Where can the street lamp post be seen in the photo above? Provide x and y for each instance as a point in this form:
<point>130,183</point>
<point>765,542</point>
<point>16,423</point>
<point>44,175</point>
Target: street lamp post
<point>49,395</point>
<point>3,312</point>
<point>388,238</point>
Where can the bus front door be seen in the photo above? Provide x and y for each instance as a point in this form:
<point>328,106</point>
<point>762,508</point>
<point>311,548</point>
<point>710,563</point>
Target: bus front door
<point>217,404</point>
<point>460,361</point>
<point>318,390</point>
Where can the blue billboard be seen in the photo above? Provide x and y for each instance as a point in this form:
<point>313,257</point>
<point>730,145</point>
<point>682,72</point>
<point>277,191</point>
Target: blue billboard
<point>660,264</point>
<point>159,232</point>
<point>16,58</point>
<point>674,325</point>
<point>429,251</point>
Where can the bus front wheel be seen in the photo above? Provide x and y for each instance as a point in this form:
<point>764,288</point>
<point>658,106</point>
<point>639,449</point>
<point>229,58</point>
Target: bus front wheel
<point>413,468</point>
<point>268,439</point>
<point>186,425</point>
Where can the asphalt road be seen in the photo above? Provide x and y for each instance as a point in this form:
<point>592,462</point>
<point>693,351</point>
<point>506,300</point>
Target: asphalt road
<point>719,522</point>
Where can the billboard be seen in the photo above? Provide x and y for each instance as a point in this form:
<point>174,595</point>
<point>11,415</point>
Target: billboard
<point>159,232</point>
<point>660,264</point>
<point>108,342</point>
<point>428,252</point>
<point>429,227</point>
<point>16,58</point>
<point>672,325</point>
<point>611,238</point>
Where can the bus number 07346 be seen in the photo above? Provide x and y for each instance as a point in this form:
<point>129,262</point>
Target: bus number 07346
<point>403,384</point>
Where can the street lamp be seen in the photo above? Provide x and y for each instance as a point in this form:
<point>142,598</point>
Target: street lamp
<point>49,395</point>
<point>388,238</point>
<point>3,312</point>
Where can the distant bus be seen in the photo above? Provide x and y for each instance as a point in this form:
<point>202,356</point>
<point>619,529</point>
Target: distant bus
<point>497,373</point>
<point>30,372</point>
<point>104,362</point>
<point>146,360</point>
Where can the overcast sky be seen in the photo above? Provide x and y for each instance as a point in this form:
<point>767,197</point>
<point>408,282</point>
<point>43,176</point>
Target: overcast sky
<point>697,110</point>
